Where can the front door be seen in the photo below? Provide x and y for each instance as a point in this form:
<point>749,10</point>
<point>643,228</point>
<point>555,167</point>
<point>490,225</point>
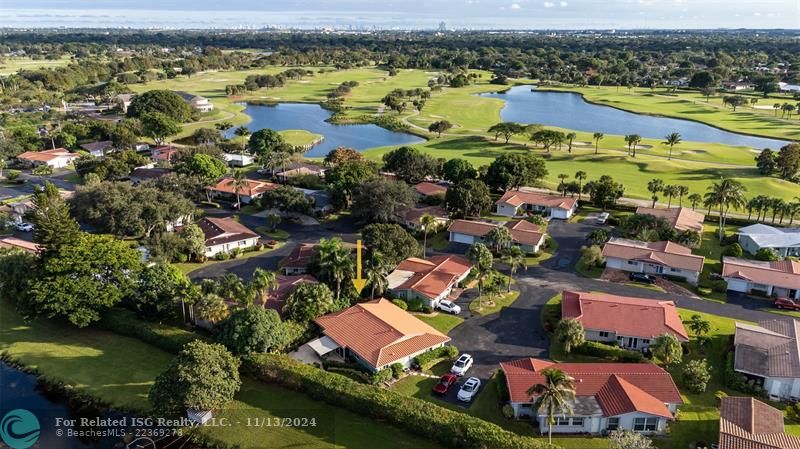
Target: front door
<point>633,342</point>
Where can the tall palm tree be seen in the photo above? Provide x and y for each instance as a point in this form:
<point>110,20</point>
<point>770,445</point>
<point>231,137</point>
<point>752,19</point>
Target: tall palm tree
<point>776,106</point>
<point>555,395</point>
<point>376,271</point>
<point>238,183</point>
<point>670,191</point>
<point>725,193</point>
<point>426,222</point>
<point>515,259</point>
<point>682,191</point>
<point>223,126</point>
<point>561,178</point>
<point>633,140</point>
<point>481,258</point>
<point>777,206</point>
<point>499,238</point>
<point>672,139</point>
<point>242,132</point>
<point>654,186</point>
<point>581,176</point>
<point>570,138</point>
<point>694,200</point>
<point>335,262</point>
<point>597,138</point>
<point>794,210</point>
<point>262,282</point>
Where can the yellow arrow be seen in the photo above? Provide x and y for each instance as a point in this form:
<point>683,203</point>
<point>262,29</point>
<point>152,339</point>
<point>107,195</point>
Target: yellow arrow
<point>358,282</point>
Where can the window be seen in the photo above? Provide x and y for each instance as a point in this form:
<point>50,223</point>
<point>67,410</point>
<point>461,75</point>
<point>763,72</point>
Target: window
<point>674,270</point>
<point>633,262</point>
<point>604,334</point>
<point>577,422</point>
<point>645,341</point>
<point>526,405</point>
<point>645,424</point>
<point>568,421</point>
<point>562,421</point>
<point>613,424</point>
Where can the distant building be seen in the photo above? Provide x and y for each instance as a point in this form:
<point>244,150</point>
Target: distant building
<point>524,234</point>
<point>238,160</point>
<point>286,286</point>
<point>413,215</point>
<point>225,235</point>
<point>57,158</point>
<point>429,280</point>
<point>247,194</point>
<point>196,101</point>
<point>123,101</point>
<point>778,278</point>
<point>659,258</point>
<point>785,241</point>
<point>424,189</point>
<point>99,149</point>
<point>681,218</point>
<point>517,203</point>
<point>768,355</point>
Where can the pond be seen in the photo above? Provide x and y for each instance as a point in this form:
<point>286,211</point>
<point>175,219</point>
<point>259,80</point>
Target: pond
<point>311,117</point>
<point>569,110</point>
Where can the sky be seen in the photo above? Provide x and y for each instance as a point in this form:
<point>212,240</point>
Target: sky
<point>404,14</point>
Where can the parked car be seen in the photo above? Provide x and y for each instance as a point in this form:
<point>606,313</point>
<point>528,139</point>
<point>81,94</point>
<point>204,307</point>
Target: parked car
<point>444,384</point>
<point>602,218</point>
<point>469,389</point>
<point>236,206</point>
<point>786,303</point>
<point>643,278</point>
<point>462,365</point>
<point>449,307</point>
<point>24,227</point>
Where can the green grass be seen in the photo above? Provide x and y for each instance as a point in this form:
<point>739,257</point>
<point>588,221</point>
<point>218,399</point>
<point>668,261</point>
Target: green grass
<point>545,254</point>
<point>651,287</point>
<point>300,137</point>
<point>592,272</point>
<point>188,267</point>
<point>439,241</point>
<point>13,65</point>
<point>500,301</point>
<point>277,234</point>
<point>442,322</point>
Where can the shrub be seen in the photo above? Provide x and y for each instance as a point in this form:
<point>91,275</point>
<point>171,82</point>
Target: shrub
<point>591,256</point>
<point>125,322</point>
<point>397,370</point>
<point>380,376</point>
<point>502,387</point>
<point>400,303</point>
<point>734,250</point>
<point>719,286</point>
<point>740,382</point>
<point>222,256</point>
<point>414,305</point>
<point>613,353</point>
<point>420,417</point>
<point>696,375</point>
<point>767,254</point>
<point>427,359</point>
<point>356,375</point>
<point>508,411</point>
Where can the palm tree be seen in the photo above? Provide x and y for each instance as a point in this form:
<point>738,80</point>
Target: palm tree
<point>581,176</point>
<point>777,206</point>
<point>682,191</point>
<point>499,238</point>
<point>242,132</point>
<point>335,262</point>
<point>515,258</point>
<point>239,182</point>
<point>698,325</point>
<point>426,221</point>
<point>554,395</point>
<point>223,126</point>
<point>632,140</point>
<point>481,258</point>
<point>597,138</point>
<point>724,194</point>
<point>794,210</point>
<point>570,138</point>
<point>694,200</point>
<point>670,191</point>
<point>262,282</point>
<point>562,177</point>
<point>655,186</point>
<point>376,271</point>
<point>672,139</point>
<point>776,107</point>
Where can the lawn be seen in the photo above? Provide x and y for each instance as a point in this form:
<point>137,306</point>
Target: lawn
<point>545,254</point>
<point>593,272</point>
<point>300,137</point>
<point>442,322</point>
<point>500,301</point>
<point>188,267</point>
<point>277,234</point>
<point>13,65</point>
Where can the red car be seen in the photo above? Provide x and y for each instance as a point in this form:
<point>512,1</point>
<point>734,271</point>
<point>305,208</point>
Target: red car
<point>786,303</point>
<point>445,382</point>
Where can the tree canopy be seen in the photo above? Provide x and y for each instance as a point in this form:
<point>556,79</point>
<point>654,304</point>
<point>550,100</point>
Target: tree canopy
<point>164,102</point>
<point>253,329</point>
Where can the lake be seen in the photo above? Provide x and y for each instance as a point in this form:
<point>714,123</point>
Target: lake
<point>311,117</point>
<point>569,110</point>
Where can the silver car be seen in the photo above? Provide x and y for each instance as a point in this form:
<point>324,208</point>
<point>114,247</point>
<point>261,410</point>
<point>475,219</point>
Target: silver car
<point>469,389</point>
<point>462,365</point>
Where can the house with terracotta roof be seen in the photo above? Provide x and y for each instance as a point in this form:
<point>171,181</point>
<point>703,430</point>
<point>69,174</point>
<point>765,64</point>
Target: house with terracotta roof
<point>768,354</point>
<point>630,322</point>
<point>776,278</point>
<point>286,286</point>
<point>56,158</point>
<point>412,216</point>
<point>747,423</point>
<point>11,242</point>
<point>296,169</point>
<point>429,280</point>
<point>785,241</point>
<point>426,188</point>
<point>681,218</point>
<point>225,235</point>
<point>165,153</point>
<point>377,334</point>
<point>297,260</point>
<point>608,396</point>
<point>252,191</point>
<point>518,203</point>
<point>528,236</point>
<point>659,258</point>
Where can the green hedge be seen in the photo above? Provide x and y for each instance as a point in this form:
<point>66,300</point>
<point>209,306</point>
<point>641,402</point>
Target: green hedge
<point>417,416</point>
<point>739,382</point>
<point>426,360</point>
<point>614,353</point>
<point>125,322</point>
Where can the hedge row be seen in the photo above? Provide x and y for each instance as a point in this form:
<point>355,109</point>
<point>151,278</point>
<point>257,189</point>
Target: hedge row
<point>125,322</point>
<point>427,360</point>
<point>444,426</point>
<point>615,353</point>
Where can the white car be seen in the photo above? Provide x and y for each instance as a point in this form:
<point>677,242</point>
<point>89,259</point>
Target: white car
<point>24,227</point>
<point>449,307</point>
<point>469,389</point>
<point>602,218</point>
<point>462,365</point>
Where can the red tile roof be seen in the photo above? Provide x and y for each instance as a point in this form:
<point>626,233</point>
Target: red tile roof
<point>669,254</point>
<point>618,387</point>
<point>631,317</point>
<point>517,198</point>
<point>252,189</point>
<point>782,273</point>
<point>299,256</point>
<point>286,285</point>
<point>14,242</point>
<point>429,188</point>
<point>522,231</point>
<point>46,155</point>
<point>164,153</point>
<point>224,230</point>
<point>681,218</point>
<point>430,277</point>
<point>746,423</point>
<point>380,332</point>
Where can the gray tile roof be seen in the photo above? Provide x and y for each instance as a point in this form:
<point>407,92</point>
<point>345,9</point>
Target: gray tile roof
<point>769,349</point>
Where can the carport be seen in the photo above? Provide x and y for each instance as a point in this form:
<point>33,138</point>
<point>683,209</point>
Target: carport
<point>315,350</point>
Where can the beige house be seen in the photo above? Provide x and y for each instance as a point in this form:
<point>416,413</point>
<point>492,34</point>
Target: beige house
<point>658,258</point>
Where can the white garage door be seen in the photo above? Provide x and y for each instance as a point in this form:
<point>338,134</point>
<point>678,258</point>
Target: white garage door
<point>737,285</point>
<point>461,238</point>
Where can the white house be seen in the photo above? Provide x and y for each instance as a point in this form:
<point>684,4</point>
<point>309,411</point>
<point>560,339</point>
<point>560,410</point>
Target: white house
<point>196,101</point>
<point>517,203</point>
<point>238,160</point>
<point>225,235</point>
<point>785,241</point>
<point>637,396</point>
<point>768,354</point>
<point>99,149</point>
<point>528,236</point>
<point>429,280</point>
<point>779,278</point>
<point>659,258</point>
<point>57,158</point>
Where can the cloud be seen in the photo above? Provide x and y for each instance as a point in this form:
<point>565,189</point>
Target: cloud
<point>548,4</point>
<point>562,4</point>
<point>515,6</point>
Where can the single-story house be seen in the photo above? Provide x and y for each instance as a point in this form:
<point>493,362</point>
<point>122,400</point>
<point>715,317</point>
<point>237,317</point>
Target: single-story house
<point>768,353</point>
<point>164,154</point>
<point>252,191</point>
<point>99,149</point>
<point>785,241</point>
<point>608,396</point>
<point>238,160</point>
<point>11,242</point>
<point>660,258</point>
<point>378,334</point>
<point>123,101</point>
<point>528,236</point>
<point>196,101</point>
<point>57,158</point>
<point>225,235</point>
<point>286,286</point>
<point>296,169</point>
<point>516,203</point>
<point>681,218</point>
<point>412,216</point>
<point>778,278</point>
<point>429,280</point>
<point>630,322</point>
<point>747,423</point>
<point>297,261</point>
<point>141,174</point>
<point>426,188</point>
<point>322,199</point>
